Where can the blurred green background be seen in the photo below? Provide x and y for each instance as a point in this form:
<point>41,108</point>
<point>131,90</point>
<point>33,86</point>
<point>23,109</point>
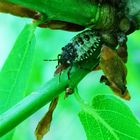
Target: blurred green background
<point>66,124</point>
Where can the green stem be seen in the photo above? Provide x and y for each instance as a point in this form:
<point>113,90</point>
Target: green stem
<point>30,104</point>
<point>63,10</point>
<point>43,95</point>
<point>81,12</point>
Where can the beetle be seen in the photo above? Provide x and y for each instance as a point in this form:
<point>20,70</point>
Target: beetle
<point>82,46</point>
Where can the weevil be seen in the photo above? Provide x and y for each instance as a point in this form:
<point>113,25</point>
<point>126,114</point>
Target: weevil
<point>79,49</point>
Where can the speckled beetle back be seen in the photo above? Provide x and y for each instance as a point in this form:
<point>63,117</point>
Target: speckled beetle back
<point>80,47</point>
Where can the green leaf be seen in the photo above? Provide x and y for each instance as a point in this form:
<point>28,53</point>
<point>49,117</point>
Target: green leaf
<point>109,119</point>
<point>16,70</point>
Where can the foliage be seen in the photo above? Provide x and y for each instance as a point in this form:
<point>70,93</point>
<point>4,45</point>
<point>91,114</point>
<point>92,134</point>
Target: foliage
<point>109,118</point>
<point>17,69</point>
<point>15,73</point>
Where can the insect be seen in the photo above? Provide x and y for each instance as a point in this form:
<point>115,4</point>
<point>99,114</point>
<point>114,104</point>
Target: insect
<point>79,49</point>
<point>82,46</point>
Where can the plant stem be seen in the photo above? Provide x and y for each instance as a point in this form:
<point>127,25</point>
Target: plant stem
<point>81,12</point>
<point>43,95</point>
<point>30,104</point>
